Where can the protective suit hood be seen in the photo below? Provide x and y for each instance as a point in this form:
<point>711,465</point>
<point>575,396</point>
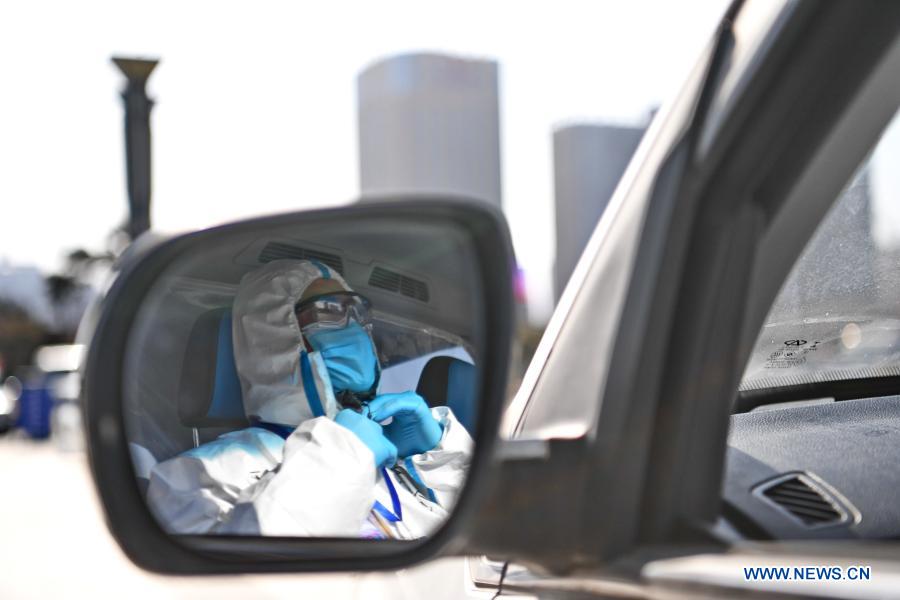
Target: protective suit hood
<point>281,382</point>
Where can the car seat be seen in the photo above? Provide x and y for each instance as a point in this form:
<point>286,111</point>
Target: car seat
<point>448,381</point>
<point>209,395</point>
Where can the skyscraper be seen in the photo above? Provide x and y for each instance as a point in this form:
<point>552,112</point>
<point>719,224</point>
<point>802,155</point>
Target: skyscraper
<point>430,123</point>
<point>588,161</point>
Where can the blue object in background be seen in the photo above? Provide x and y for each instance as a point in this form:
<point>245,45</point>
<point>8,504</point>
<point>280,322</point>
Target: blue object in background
<point>35,405</point>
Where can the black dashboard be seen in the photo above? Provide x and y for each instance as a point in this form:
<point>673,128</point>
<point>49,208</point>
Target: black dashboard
<point>823,470</point>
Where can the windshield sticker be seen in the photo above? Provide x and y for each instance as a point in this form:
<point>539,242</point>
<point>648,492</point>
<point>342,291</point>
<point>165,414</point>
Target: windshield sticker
<point>792,354</point>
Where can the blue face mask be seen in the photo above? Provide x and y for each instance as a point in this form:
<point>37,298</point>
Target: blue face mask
<point>349,357</point>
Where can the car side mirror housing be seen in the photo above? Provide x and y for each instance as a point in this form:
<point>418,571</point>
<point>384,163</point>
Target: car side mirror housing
<point>438,276</point>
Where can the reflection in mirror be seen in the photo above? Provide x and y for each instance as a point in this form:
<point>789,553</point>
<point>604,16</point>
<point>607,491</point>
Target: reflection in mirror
<point>314,380</point>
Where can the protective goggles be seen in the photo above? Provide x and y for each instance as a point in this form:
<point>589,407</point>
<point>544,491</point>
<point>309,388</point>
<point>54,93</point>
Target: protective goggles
<point>332,311</point>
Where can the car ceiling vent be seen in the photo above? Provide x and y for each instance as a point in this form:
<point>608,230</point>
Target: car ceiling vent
<point>276,250</point>
<point>807,503</point>
<point>399,284</point>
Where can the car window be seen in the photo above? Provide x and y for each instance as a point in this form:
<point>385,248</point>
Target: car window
<point>837,316</point>
<point>538,410</point>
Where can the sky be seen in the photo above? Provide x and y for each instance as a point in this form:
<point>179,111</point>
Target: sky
<point>256,104</point>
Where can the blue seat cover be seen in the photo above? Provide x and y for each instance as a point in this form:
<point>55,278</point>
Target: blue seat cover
<point>227,400</point>
<point>461,393</point>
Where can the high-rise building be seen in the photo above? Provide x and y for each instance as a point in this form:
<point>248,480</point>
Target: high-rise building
<point>588,161</point>
<point>430,123</point>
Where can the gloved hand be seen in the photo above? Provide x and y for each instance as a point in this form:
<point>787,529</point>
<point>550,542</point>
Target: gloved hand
<point>413,429</point>
<point>371,434</point>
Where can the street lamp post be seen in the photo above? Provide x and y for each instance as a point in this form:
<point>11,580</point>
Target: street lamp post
<point>137,141</point>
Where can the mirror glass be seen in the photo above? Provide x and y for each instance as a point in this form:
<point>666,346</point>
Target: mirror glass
<point>313,378</point>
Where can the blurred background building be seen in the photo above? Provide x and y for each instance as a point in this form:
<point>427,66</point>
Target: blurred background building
<point>430,123</point>
<point>588,161</point>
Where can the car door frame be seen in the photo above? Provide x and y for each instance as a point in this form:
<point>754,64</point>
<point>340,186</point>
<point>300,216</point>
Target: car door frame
<point>731,206</point>
<point>781,151</point>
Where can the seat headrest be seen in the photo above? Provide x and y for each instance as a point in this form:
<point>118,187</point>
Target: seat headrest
<point>209,394</point>
<point>448,381</point>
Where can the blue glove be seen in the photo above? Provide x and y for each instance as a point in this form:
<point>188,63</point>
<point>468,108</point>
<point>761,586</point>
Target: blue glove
<point>371,434</point>
<point>413,429</point>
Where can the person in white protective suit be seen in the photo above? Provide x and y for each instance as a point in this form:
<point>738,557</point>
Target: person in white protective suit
<point>325,454</point>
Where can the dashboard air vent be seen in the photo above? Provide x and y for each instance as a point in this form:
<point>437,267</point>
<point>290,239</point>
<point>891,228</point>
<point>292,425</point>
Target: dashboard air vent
<point>399,284</point>
<point>275,250</point>
<point>805,502</point>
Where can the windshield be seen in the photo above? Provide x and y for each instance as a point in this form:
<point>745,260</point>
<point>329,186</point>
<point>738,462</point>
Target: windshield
<point>837,317</point>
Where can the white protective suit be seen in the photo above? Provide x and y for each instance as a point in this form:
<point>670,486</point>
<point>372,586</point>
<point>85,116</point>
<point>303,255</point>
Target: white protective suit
<point>319,481</point>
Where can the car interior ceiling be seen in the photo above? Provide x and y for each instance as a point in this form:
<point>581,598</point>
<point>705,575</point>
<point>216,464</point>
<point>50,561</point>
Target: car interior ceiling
<point>424,277</point>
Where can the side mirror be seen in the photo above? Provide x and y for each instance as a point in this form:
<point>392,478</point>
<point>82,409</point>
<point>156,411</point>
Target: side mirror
<point>221,360</point>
